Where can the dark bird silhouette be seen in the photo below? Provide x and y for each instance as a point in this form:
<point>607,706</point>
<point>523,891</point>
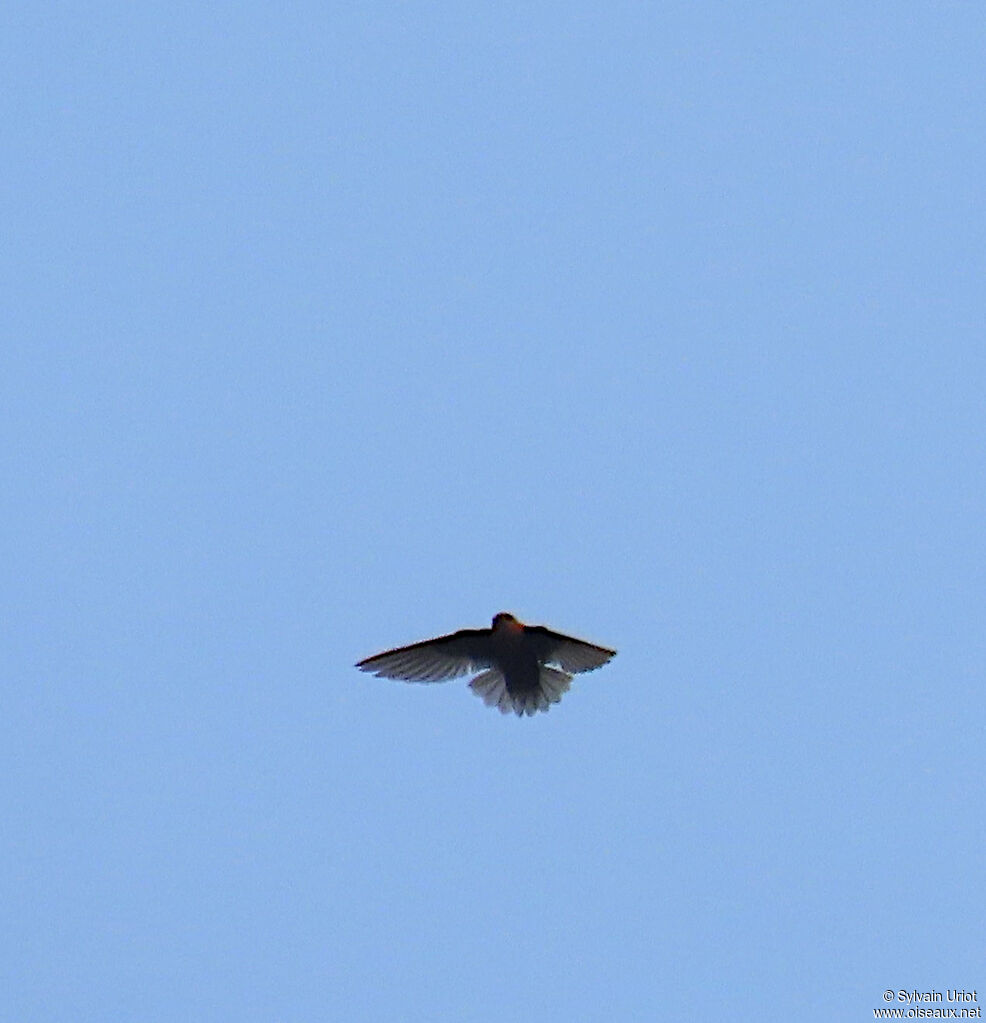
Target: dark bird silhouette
<point>522,668</point>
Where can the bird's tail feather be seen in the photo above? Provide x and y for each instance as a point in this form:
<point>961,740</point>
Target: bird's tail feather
<point>491,687</point>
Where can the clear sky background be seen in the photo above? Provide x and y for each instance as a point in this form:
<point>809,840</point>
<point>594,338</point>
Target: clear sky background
<point>332,327</point>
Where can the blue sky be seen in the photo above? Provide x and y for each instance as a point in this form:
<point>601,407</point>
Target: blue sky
<point>328,328</point>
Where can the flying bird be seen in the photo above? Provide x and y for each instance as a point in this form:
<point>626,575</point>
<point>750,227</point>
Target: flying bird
<point>522,668</point>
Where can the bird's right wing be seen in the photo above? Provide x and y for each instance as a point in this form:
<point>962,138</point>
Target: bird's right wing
<point>571,654</point>
<point>434,660</point>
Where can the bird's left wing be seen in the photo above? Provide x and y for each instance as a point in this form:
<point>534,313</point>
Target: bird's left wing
<point>570,654</point>
<point>434,660</point>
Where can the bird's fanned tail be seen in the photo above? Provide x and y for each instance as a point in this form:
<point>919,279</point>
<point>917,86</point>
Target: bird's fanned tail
<point>491,687</point>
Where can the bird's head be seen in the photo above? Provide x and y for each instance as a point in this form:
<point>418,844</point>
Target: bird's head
<point>503,620</point>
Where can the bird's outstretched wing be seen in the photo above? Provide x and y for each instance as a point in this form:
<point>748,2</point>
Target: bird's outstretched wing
<point>434,660</point>
<point>570,654</point>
